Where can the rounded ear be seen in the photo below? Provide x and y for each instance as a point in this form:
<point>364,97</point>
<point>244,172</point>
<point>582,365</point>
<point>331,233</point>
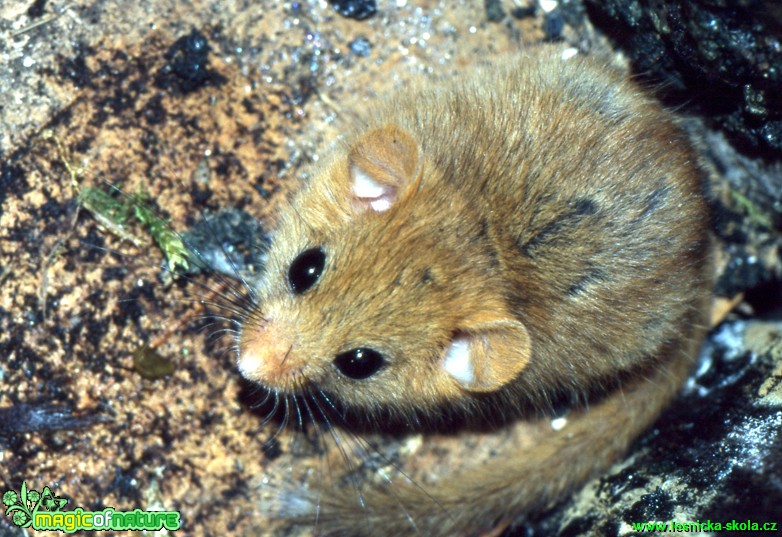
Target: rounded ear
<point>383,165</point>
<point>488,356</point>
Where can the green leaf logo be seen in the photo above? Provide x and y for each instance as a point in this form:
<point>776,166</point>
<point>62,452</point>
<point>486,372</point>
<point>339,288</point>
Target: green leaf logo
<point>50,502</point>
<point>22,506</point>
<point>10,497</point>
<point>18,506</point>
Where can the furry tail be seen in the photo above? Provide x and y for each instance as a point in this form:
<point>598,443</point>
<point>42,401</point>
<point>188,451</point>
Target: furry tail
<point>474,500</point>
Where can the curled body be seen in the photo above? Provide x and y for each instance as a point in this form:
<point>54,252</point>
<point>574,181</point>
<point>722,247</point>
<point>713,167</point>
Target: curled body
<point>523,235</point>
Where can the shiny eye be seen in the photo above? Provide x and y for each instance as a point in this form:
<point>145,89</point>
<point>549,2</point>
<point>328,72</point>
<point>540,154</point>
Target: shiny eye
<point>359,363</point>
<point>306,269</point>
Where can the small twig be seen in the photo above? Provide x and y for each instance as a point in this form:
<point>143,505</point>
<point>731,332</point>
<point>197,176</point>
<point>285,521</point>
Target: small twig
<point>5,273</point>
<point>36,24</point>
<point>44,285</point>
<point>330,104</point>
<point>56,250</point>
<point>47,262</point>
<point>722,306</point>
<point>74,172</point>
<point>58,246</point>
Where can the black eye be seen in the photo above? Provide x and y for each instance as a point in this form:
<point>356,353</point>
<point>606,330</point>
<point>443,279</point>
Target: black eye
<point>359,363</point>
<point>306,269</point>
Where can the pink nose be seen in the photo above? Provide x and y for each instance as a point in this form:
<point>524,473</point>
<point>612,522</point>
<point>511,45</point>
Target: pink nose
<point>265,353</point>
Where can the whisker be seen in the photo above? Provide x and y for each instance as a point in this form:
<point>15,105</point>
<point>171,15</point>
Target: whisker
<point>299,421</point>
<point>321,449</point>
<point>338,442</point>
<point>237,274</point>
<point>238,303</point>
<point>265,400</point>
<point>365,447</point>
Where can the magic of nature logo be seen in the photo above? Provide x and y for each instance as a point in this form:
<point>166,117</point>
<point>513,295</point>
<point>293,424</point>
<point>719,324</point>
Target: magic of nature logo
<point>29,508</point>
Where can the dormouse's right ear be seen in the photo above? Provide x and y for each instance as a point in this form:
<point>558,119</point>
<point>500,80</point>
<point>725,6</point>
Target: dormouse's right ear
<point>488,354</point>
<point>384,164</point>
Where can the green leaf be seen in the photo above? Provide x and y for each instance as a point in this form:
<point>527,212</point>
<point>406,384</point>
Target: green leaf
<point>110,212</point>
<point>167,239</point>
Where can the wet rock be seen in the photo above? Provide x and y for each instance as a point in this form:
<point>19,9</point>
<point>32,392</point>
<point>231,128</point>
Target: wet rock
<point>187,65</point>
<point>726,57</point>
<point>355,9</point>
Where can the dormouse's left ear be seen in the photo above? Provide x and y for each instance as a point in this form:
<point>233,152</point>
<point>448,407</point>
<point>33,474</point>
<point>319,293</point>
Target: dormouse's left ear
<point>384,164</point>
<point>487,356</point>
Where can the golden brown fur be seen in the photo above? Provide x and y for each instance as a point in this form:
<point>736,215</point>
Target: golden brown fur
<point>548,214</point>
